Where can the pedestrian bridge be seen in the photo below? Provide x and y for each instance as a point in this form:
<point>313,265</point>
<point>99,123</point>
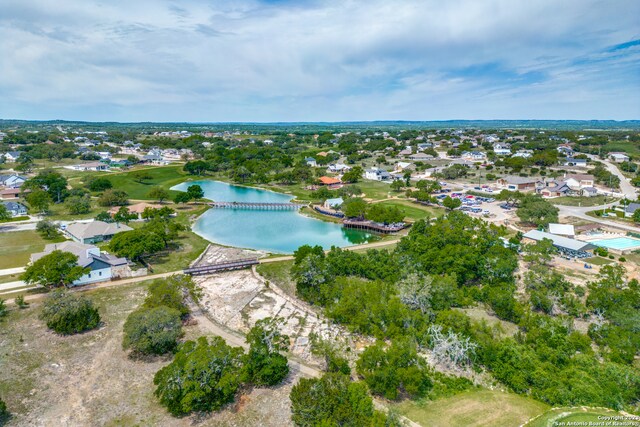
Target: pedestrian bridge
<point>257,205</point>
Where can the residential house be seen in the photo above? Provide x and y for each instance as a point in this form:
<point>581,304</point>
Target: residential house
<point>377,174</point>
<point>10,193</point>
<point>421,157</point>
<point>338,168</point>
<point>91,166</point>
<point>424,145</point>
<point>11,181</point>
<point>630,209</point>
<point>518,183</point>
<point>565,149</point>
<point>555,189</point>
<point>404,166</point>
<point>333,203</point>
<point>579,180</point>
<point>102,266</point>
<point>525,154</point>
<point>311,161</point>
<point>94,231</point>
<point>104,155</point>
<point>155,159</point>
<point>502,149</point>
<point>570,161</point>
<point>11,156</point>
<point>15,209</point>
<point>326,180</point>
<point>474,156</point>
<point>619,157</point>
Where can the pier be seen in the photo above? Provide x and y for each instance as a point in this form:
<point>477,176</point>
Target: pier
<point>257,206</point>
<point>374,226</point>
<point>223,266</point>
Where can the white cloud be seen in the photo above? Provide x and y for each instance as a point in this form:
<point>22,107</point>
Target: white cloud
<point>337,60</point>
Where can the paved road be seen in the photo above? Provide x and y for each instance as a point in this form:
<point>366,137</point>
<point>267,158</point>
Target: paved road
<point>629,191</point>
<point>17,226</point>
<point>582,214</point>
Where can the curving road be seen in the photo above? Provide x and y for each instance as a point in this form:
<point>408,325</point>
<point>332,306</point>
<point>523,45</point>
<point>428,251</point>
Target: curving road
<point>628,190</point>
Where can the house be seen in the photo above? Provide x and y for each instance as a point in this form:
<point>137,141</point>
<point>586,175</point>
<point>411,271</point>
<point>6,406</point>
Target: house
<point>12,181</point>
<point>570,161</point>
<point>338,167</point>
<point>102,266</point>
<point>325,180</point>
<point>424,145</point>
<point>94,231</point>
<point>630,209</point>
<point>518,183</point>
<point>564,244</point>
<point>333,203</point>
<point>502,149</point>
<point>421,156</point>
<point>311,161</point>
<point>10,193</point>
<point>91,166</point>
<point>579,180</point>
<point>137,209</point>
<point>565,149</point>
<point>104,155</point>
<point>588,192</point>
<point>11,156</point>
<point>404,166</point>
<point>618,157</point>
<point>474,156</point>
<point>525,154</point>
<point>406,152</point>
<point>556,189</point>
<point>155,159</point>
<point>15,209</point>
<point>377,174</point>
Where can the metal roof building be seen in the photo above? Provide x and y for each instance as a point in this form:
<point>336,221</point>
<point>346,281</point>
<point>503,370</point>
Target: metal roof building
<point>563,243</point>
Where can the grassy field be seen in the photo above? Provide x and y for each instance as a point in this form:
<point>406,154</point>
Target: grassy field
<point>278,273</point>
<point>474,408</point>
<point>596,260</point>
<point>17,246</point>
<point>582,201</point>
<point>565,416</point>
<point>165,177</point>
<point>414,211</point>
<point>480,314</point>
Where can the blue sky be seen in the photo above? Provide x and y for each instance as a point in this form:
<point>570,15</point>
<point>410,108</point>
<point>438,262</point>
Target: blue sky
<point>285,60</point>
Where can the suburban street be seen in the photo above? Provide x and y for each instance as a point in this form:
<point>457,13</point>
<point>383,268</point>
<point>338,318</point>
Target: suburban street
<point>628,190</point>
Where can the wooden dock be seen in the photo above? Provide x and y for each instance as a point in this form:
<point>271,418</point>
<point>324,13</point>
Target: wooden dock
<point>223,266</point>
<point>257,206</point>
<point>374,226</point>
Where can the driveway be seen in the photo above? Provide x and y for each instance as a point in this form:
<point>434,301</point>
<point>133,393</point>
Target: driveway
<point>629,191</point>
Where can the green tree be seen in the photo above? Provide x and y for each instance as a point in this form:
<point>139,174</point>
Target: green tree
<point>354,207</point>
<point>384,214</point>
<point>99,184</point>
<point>182,198</point>
<point>451,203</point>
<point>195,192</point>
<point>142,176</point>
<point>4,213</point>
<point>39,200</point>
<point>636,216</point>
<point>54,270</point>
<point>203,376</point>
<point>4,413</point>
<point>533,209</point>
<point>47,229</point>
<point>104,217</point>
<point>169,293</point>
<point>113,198</point>
<point>333,400</point>
<point>152,330</point>
<point>354,175</point>
<point>135,244</point>
<point>67,313</point>
<point>397,186</point>
<point>123,215</point>
<point>78,205</point>
<point>159,193</point>
<point>196,167</point>
<point>264,364</point>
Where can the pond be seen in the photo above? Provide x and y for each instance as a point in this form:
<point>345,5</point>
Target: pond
<point>272,231</point>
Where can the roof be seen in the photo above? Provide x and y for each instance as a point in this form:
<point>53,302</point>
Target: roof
<point>14,206</point>
<point>562,229</point>
<point>632,207</point>
<point>559,241</point>
<point>511,179</point>
<point>138,208</point>
<point>328,181</point>
<point>86,253</point>
<point>87,230</point>
<point>580,177</point>
<point>334,202</point>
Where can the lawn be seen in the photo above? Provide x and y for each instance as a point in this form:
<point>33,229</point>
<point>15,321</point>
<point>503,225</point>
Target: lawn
<point>574,416</point>
<point>582,201</point>
<point>596,260</point>
<point>17,246</point>
<point>414,211</point>
<point>165,177</point>
<point>473,408</point>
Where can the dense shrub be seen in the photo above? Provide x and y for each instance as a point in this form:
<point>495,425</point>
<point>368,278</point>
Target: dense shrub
<point>66,313</point>
<point>264,364</point>
<point>4,412</point>
<point>152,330</point>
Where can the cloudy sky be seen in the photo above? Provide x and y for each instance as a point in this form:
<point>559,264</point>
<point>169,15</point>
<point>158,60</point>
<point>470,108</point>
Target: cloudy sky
<point>306,60</point>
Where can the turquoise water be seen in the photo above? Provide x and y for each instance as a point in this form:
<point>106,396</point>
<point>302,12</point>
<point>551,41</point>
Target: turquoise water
<point>620,243</point>
<point>271,231</point>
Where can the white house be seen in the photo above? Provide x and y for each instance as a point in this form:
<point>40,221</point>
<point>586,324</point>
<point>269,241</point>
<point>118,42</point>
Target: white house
<point>338,167</point>
<point>333,203</point>
<point>502,149</point>
<point>12,181</point>
<point>578,180</point>
<point>570,161</point>
<point>91,166</point>
<point>11,156</point>
<point>15,209</point>
<point>102,266</point>
<point>474,156</point>
<point>377,174</point>
<point>311,162</point>
<point>619,157</point>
